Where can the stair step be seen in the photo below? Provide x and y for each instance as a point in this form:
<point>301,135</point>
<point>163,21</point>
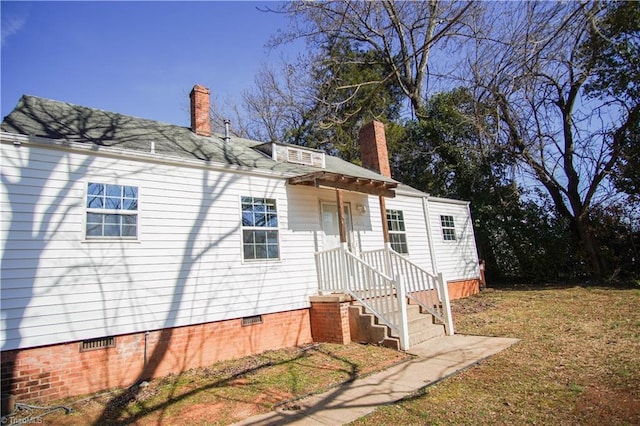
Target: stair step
<point>424,334</point>
<point>422,329</point>
<point>366,327</point>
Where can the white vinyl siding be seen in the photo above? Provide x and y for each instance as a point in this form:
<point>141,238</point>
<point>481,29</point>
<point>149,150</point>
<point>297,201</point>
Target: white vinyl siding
<point>456,259</point>
<point>188,269</point>
<point>415,228</point>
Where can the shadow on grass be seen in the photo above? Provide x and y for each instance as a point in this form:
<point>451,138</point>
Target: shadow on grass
<point>230,375</point>
<point>516,285</point>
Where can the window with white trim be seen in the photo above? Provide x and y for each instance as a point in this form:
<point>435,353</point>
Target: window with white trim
<point>448,228</point>
<point>397,232</point>
<point>112,211</point>
<point>259,228</point>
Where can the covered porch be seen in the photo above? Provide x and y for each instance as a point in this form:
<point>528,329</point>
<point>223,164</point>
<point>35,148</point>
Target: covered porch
<point>383,281</point>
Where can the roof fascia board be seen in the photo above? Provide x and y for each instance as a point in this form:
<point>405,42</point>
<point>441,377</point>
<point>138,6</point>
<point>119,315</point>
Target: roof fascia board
<point>407,191</point>
<point>448,201</point>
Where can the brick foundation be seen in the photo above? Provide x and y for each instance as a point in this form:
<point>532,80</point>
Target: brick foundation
<point>463,288</point>
<point>57,371</point>
<point>457,290</point>
<point>330,318</point>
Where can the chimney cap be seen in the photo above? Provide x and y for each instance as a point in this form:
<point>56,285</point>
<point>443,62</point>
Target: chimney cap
<point>200,88</point>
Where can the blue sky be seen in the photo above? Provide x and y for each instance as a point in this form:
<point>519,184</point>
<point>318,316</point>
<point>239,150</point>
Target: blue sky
<point>136,58</point>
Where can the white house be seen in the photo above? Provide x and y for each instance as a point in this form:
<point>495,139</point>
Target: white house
<point>133,248</point>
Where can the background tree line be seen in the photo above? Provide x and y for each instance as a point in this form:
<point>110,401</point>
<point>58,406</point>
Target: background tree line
<point>530,110</point>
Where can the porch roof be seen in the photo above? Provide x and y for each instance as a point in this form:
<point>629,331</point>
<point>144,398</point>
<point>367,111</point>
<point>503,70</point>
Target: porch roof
<point>348,182</point>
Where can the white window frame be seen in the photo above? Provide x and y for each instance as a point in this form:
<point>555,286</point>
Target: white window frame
<point>448,225</point>
<point>250,227</point>
<point>396,227</point>
<point>117,208</point>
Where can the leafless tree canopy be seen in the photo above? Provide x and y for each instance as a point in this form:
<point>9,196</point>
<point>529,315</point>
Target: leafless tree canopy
<point>530,63</point>
<point>405,32</point>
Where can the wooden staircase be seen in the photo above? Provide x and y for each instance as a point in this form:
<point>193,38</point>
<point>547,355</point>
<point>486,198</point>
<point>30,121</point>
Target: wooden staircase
<point>365,327</point>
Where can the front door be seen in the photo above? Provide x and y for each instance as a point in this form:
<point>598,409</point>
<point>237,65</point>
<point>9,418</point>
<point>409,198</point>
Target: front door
<point>331,226</point>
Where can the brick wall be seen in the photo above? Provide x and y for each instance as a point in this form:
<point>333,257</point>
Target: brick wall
<point>457,290</point>
<point>51,372</point>
<point>330,319</point>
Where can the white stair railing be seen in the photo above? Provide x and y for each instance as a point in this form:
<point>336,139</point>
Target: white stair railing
<point>428,290</point>
<point>341,271</point>
<point>330,270</point>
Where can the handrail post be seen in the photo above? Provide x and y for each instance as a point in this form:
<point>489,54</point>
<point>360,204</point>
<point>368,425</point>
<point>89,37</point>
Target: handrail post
<point>343,268</point>
<point>446,305</point>
<point>388,264</point>
<point>319,273</point>
<point>401,295</point>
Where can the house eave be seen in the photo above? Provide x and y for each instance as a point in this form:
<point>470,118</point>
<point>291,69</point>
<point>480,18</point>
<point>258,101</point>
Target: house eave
<point>107,151</point>
<point>449,201</point>
<point>347,182</point>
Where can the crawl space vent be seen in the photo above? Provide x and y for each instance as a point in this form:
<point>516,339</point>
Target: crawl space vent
<point>255,319</point>
<point>99,343</point>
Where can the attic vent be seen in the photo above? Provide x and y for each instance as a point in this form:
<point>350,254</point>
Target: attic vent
<point>255,319</point>
<point>99,343</point>
<point>308,158</point>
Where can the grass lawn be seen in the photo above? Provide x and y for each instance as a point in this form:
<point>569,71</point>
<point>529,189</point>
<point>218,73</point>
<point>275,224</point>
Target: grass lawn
<point>578,363</point>
<point>228,391</point>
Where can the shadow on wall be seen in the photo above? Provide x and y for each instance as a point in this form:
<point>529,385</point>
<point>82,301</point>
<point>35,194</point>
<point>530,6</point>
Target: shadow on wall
<point>41,215</point>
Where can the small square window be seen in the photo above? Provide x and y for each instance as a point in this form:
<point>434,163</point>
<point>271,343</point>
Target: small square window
<point>111,211</point>
<point>448,228</point>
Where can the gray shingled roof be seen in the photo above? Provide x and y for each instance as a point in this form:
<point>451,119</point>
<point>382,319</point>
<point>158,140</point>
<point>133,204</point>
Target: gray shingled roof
<point>59,120</point>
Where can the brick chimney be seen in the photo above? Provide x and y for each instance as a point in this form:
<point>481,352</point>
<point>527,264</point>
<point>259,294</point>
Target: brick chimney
<point>373,148</point>
<point>200,119</point>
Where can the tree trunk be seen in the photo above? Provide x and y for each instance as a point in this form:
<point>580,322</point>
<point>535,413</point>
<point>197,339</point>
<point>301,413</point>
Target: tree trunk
<point>588,240</point>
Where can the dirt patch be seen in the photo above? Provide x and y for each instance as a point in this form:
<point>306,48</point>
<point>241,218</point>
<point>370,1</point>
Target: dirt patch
<point>205,413</point>
<point>472,305</point>
<point>599,402</point>
<point>230,391</point>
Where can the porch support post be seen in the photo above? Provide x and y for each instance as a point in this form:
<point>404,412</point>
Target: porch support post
<point>342,224</point>
<point>383,217</point>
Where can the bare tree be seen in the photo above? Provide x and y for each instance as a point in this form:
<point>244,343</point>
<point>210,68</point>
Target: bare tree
<point>405,32</point>
<point>279,105</point>
<point>530,63</point>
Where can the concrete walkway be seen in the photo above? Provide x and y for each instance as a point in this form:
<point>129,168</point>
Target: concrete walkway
<point>435,360</point>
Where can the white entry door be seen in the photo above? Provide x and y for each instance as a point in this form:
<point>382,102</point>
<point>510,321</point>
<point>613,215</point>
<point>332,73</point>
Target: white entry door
<point>331,226</point>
